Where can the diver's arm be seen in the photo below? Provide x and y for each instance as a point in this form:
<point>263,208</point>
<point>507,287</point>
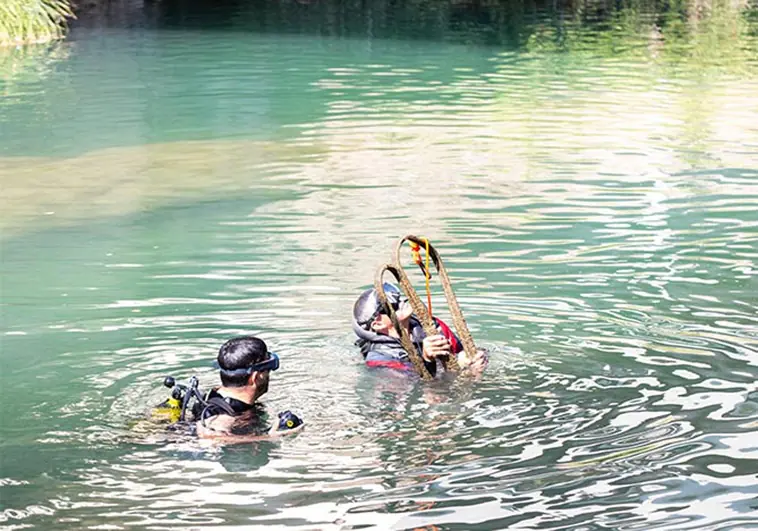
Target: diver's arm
<point>225,437</point>
<point>215,426</point>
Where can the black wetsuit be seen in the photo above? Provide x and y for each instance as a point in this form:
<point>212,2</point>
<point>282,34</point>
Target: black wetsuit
<point>250,418</point>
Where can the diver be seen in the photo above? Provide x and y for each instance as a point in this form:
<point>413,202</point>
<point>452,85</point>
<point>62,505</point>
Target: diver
<point>245,365</point>
<point>380,343</point>
<point>232,411</point>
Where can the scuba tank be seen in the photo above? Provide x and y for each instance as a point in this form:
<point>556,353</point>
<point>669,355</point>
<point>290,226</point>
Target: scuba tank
<point>174,408</point>
<point>169,410</point>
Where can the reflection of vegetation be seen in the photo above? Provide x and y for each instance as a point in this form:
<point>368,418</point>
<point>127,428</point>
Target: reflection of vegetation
<point>717,34</point>
<point>708,32</point>
<point>25,64</point>
<point>630,26</point>
<point>18,62</point>
<point>32,21</point>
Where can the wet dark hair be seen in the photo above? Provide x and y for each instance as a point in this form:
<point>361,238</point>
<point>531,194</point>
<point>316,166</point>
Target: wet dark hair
<point>240,353</point>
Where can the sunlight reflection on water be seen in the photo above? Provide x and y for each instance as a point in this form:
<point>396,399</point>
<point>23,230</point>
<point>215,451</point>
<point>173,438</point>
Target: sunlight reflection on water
<point>598,218</point>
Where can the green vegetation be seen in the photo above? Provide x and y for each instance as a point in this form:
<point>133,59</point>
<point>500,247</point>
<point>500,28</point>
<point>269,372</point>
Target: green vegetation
<point>32,21</point>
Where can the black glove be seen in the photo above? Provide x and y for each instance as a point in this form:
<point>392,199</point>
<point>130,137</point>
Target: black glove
<point>288,420</point>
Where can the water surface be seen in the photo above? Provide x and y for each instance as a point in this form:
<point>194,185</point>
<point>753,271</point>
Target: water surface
<point>595,199</point>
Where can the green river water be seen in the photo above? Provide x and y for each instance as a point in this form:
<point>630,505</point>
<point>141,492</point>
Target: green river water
<point>592,187</point>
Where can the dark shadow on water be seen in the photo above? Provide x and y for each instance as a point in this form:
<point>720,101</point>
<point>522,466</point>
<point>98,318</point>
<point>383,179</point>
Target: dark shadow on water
<point>512,23</point>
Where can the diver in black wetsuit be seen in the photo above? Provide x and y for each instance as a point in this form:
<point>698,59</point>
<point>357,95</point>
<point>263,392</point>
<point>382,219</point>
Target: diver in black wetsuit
<point>231,410</point>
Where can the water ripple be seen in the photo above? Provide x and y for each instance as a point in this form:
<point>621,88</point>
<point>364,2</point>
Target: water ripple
<point>597,214</point>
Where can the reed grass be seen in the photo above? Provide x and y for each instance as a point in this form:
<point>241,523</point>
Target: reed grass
<point>33,21</point>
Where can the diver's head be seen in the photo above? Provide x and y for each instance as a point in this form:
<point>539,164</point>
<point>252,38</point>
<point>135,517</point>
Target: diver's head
<point>369,312</point>
<point>245,361</point>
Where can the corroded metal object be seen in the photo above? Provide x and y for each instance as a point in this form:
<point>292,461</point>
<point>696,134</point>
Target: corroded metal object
<point>420,310</point>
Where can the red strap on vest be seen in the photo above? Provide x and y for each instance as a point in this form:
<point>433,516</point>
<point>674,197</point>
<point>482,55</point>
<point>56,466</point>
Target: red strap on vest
<point>390,364</point>
<point>455,347</point>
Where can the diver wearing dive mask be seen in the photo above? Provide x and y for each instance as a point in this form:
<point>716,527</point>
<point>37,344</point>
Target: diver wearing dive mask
<point>379,341</point>
<point>245,365</point>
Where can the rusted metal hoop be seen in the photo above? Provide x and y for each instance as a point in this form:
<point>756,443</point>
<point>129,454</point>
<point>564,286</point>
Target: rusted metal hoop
<point>459,322</point>
<point>415,356</point>
<point>420,310</point>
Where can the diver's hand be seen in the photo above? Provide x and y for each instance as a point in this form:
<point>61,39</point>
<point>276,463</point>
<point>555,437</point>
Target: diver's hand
<point>476,365</point>
<point>435,346</point>
<point>274,432</point>
<point>404,312</point>
<point>288,421</point>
